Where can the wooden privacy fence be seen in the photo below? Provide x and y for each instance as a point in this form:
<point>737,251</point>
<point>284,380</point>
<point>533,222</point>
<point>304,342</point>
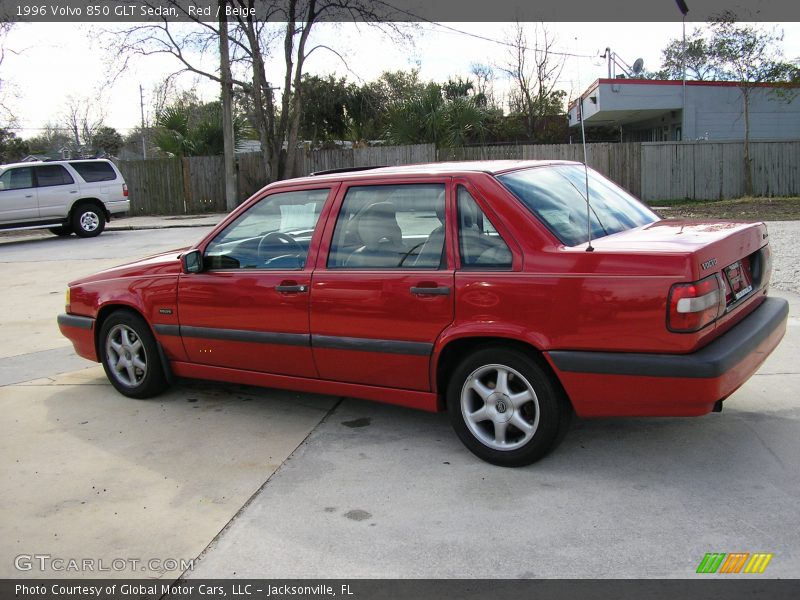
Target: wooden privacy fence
<point>653,170</point>
<point>715,170</point>
<point>618,162</point>
<point>310,161</point>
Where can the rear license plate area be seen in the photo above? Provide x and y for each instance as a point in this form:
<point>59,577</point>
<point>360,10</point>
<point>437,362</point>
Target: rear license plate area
<point>737,276</point>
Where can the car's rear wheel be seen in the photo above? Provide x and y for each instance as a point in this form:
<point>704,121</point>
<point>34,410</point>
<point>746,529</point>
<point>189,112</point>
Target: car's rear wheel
<point>130,356</point>
<point>62,231</point>
<point>506,408</point>
<point>88,221</point>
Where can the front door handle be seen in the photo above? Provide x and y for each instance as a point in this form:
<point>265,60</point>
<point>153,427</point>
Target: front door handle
<point>430,291</point>
<point>290,288</point>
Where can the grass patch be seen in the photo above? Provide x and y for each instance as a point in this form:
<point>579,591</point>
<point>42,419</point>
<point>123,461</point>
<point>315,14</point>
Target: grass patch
<point>745,209</point>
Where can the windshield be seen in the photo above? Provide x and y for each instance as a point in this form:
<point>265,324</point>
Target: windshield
<point>557,196</point>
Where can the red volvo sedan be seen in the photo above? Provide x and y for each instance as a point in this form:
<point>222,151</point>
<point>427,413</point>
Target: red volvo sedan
<point>492,290</point>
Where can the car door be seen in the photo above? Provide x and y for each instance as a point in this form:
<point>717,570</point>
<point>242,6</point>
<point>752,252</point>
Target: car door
<point>248,308</point>
<point>56,189</point>
<point>382,290</point>
<point>18,196</point>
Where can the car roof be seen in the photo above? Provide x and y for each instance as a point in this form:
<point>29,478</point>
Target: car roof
<point>492,167</point>
<point>33,163</point>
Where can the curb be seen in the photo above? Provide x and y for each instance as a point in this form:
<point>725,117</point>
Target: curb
<point>156,226</point>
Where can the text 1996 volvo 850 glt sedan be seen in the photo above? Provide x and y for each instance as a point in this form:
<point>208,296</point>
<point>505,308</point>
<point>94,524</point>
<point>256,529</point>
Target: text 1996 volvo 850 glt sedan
<point>489,289</point>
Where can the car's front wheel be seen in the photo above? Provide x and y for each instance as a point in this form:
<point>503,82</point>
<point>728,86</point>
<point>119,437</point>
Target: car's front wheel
<point>130,356</point>
<point>506,408</point>
<point>88,221</point>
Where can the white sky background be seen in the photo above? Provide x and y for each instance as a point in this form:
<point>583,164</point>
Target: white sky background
<point>48,62</point>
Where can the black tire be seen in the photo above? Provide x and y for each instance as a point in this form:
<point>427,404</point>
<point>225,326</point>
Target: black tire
<point>130,356</point>
<point>62,231</point>
<point>514,431</point>
<point>88,220</point>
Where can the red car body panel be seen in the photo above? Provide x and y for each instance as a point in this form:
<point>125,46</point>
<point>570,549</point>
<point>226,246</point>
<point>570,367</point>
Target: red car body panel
<point>366,333</point>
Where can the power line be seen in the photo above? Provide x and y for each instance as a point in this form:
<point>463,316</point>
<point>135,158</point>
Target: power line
<point>509,44</point>
<point>416,17</point>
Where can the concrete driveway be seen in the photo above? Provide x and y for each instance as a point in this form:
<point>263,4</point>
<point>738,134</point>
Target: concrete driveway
<point>265,483</point>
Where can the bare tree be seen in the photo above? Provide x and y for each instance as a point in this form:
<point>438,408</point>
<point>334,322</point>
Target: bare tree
<point>250,39</point>
<point>484,83</point>
<point>534,70</point>
<point>83,117</point>
<point>5,112</point>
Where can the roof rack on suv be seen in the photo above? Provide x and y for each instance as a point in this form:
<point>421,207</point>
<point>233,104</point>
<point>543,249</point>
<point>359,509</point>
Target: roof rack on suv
<point>345,170</point>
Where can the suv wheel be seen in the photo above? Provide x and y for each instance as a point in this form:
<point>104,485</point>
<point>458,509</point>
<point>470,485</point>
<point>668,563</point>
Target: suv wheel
<point>61,231</point>
<point>130,356</point>
<point>88,221</point>
<point>505,408</point>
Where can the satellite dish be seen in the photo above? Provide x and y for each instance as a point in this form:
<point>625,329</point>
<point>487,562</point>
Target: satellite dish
<point>638,66</point>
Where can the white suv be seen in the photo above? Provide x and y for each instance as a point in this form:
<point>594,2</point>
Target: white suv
<point>65,196</point>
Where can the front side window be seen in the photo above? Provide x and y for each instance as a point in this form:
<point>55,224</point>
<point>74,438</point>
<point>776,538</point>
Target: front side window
<point>480,244</point>
<point>557,196</point>
<point>17,179</point>
<point>390,227</point>
<point>52,175</point>
<point>275,233</point>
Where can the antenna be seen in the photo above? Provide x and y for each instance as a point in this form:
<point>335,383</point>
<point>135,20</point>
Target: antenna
<point>637,67</point>
<point>589,248</point>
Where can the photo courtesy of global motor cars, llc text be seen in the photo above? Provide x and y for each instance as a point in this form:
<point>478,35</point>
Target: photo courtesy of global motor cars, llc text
<point>178,590</point>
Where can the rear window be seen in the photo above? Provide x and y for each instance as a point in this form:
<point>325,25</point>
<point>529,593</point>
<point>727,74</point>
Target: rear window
<point>557,197</point>
<point>94,171</point>
<point>50,175</point>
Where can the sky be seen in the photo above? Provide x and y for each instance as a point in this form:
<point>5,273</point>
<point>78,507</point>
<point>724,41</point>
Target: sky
<point>46,63</point>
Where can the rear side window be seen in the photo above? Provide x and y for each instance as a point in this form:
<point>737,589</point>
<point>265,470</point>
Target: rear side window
<point>479,242</point>
<point>17,179</point>
<point>49,175</point>
<point>94,171</point>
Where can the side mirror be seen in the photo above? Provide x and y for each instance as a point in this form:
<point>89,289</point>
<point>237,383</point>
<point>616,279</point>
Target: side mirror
<point>192,261</point>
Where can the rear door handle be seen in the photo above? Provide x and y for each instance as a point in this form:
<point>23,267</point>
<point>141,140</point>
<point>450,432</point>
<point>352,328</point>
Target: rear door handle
<point>430,291</point>
<point>290,288</point>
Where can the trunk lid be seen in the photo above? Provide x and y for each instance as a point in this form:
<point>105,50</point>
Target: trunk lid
<point>736,253</point>
<point>729,248</point>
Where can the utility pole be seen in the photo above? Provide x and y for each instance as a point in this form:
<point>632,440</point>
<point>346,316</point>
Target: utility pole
<point>231,191</point>
<point>141,104</point>
<point>684,9</point>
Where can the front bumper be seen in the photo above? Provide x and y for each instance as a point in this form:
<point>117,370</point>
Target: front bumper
<point>603,384</point>
<point>80,331</point>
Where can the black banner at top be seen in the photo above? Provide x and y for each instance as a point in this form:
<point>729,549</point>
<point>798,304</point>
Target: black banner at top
<point>91,11</point>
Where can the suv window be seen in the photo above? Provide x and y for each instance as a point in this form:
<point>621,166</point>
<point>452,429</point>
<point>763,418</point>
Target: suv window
<point>17,179</point>
<point>390,226</point>
<point>275,233</point>
<point>94,171</point>
<point>479,242</point>
<point>48,175</point>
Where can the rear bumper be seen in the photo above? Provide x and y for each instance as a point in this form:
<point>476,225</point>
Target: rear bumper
<point>80,331</point>
<point>635,384</point>
<point>117,207</point>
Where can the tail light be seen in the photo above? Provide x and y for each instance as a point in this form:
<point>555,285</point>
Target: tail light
<point>692,306</point>
<point>125,189</point>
